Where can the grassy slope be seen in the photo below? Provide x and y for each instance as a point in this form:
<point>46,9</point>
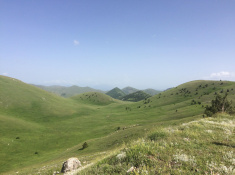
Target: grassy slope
<point>95,98</point>
<point>204,146</point>
<point>56,127</point>
<point>45,123</point>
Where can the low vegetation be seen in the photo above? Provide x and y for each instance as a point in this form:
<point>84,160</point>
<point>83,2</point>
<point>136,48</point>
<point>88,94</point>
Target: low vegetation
<point>220,104</point>
<point>204,146</point>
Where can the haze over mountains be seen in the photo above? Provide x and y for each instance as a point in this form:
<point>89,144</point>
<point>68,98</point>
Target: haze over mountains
<point>115,93</point>
<point>65,91</point>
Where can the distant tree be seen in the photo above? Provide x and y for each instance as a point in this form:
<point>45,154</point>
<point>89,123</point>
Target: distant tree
<point>220,104</point>
<point>63,94</point>
<point>85,145</point>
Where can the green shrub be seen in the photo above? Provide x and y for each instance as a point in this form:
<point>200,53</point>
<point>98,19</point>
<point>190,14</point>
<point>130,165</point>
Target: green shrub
<point>157,135</point>
<point>85,145</point>
<point>220,104</point>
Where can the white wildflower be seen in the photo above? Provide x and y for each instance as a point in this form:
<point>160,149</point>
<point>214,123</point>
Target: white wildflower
<point>227,131</point>
<point>121,156</point>
<point>209,131</point>
<point>229,156</point>
<point>186,139</point>
<point>227,170</point>
<point>185,158</point>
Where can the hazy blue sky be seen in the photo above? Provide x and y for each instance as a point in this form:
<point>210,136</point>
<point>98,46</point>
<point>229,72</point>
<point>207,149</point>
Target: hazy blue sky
<point>108,43</point>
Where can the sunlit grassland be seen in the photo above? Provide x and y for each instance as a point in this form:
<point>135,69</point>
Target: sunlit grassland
<point>49,129</point>
<point>203,146</point>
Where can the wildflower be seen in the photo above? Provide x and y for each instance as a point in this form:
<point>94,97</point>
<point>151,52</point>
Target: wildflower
<point>209,131</point>
<point>121,156</point>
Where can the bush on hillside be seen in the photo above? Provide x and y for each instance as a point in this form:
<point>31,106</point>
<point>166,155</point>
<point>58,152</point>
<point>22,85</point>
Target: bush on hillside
<point>220,104</point>
<point>85,145</point>
<point>157,135</point>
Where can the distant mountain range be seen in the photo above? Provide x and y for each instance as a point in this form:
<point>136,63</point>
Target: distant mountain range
<point>131,94</point>
<point>68,91</point>
<point>114,93</point>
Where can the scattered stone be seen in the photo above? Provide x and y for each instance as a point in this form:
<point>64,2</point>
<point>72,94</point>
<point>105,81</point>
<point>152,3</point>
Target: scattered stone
<point>70,165</point>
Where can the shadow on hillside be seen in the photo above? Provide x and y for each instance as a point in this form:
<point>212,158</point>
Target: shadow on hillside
<point>223,144</point>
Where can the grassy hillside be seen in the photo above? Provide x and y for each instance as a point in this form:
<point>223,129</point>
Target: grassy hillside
<point>204,146</point>
<point>40,129</point>
<point>116,93</point>
<point>68,91</point>
<point>38,126</point>
<point>129,90</point>
<point>136,96</point>
<point>94,98</point>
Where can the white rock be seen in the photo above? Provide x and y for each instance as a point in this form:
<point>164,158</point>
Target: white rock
<point>70,165</point>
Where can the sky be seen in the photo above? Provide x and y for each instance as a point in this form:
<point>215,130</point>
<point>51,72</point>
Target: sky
<point>105,44</point>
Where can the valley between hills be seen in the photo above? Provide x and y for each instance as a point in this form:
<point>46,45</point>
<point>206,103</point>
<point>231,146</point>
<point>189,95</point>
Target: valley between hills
<point>162,133</point>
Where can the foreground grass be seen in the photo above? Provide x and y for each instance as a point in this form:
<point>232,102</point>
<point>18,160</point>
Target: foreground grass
<point>204,146</point>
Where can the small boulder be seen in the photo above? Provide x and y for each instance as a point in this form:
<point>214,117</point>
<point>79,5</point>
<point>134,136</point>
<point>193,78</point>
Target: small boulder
<point>70,165</point>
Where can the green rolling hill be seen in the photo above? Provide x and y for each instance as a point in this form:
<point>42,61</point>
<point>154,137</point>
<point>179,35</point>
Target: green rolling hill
<point>39,128</point>
<point>116,93</point>
<point>129,90</point>
<point>94,98</point>
<point>136,96</point>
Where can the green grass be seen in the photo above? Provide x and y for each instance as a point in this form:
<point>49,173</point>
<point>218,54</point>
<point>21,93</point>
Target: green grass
<point>56,127</point>
<point>204,146</point>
